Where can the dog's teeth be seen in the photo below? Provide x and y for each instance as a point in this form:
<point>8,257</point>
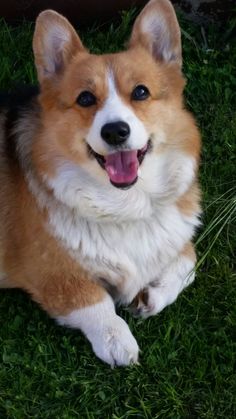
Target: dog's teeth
<point>139,172</point>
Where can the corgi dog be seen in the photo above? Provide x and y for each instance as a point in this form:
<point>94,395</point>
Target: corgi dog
<point>99,197</point>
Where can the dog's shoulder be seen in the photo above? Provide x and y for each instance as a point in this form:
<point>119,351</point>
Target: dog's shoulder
<point>17,99</point>
<point>14,106</point>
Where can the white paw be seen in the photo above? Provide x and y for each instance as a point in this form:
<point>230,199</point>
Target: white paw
<point>115,344</point>
<point>152,300</point>
<point>158,299</point>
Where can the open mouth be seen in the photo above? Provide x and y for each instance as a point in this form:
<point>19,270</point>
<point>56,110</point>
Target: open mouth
<point>122,166</point>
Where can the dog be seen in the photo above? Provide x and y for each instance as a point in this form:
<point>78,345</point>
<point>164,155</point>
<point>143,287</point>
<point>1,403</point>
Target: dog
<point>99,197</point>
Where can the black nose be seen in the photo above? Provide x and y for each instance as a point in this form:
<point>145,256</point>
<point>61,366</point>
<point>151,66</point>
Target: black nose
<point>115,133</point>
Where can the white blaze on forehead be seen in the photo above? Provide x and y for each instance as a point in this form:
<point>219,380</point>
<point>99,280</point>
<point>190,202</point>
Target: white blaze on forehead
<point>115,109</point>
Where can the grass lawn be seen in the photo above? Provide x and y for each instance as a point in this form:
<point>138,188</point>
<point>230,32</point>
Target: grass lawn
<point>188,351</point>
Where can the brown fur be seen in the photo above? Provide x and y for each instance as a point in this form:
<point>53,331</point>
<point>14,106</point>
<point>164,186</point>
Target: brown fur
<point>31,257</point>
<point>189,203</point>
<point>67,126</point>
<point>36,262</point>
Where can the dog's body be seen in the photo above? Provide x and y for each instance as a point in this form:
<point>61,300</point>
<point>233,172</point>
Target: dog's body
<point>99,199</point>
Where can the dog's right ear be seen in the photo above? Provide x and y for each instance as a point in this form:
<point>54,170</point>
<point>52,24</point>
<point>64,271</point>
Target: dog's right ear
<point>55,42</point>
<point>157,30</point>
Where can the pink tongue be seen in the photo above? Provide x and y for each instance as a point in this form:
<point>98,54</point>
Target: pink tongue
<point>122,167</point>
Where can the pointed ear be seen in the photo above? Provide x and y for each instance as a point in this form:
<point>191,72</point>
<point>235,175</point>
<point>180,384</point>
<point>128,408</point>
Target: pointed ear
<point>55,42</point>
<point>157,30</point>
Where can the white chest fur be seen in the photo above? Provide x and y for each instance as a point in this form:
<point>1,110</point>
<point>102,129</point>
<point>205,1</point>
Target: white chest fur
<point>125,237</point>
<point>129,254</point>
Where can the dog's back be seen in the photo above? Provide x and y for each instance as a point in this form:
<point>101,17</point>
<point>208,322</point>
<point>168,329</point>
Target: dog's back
<point>15,107</point>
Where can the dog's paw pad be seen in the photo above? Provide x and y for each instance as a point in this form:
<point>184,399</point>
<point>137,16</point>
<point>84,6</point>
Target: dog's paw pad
<point>140,306</point>
<point>148,302</point>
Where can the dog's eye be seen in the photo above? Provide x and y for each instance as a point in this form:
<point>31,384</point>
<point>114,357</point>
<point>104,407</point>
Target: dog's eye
<point>140,92</point>
<point>86,99</point>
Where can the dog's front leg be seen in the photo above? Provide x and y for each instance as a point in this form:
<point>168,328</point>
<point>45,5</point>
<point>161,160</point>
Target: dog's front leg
<point>156,296</point>
<point>85,305</point>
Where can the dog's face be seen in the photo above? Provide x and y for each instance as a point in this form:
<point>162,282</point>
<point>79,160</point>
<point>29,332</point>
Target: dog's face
<point>110,115</point>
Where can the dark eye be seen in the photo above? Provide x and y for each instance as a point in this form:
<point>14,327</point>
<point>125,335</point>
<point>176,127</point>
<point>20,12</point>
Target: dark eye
<point>86,99</point>
<point>140,92</point>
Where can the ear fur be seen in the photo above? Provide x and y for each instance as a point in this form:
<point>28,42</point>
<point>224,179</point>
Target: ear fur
<point>157,30</point>
<point>55,42</point>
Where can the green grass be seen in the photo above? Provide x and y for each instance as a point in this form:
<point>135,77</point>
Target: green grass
<point>188,352</point>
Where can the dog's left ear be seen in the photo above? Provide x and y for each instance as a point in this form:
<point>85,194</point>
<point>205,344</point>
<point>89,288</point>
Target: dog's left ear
<point>157,30</point>
<point>55,43</point>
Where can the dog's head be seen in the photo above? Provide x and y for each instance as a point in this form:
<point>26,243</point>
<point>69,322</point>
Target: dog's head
<point>111,117</point>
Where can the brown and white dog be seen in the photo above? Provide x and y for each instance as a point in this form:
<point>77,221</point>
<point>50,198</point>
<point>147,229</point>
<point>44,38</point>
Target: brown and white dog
<point>99,198</point>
